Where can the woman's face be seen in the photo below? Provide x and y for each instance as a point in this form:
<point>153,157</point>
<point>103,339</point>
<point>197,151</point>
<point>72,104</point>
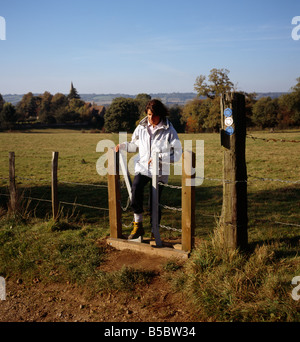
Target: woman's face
<point>153,119</point>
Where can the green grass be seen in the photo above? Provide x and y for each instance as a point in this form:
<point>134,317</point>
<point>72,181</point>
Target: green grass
<point>255,286</point>
<point>61,252</point>
<point>242,287</point>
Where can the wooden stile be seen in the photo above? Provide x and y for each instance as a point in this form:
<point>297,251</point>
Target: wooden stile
<point>188,201</point>
<point>12,182</point>
<point>114,195</point>
<point>54,189</point>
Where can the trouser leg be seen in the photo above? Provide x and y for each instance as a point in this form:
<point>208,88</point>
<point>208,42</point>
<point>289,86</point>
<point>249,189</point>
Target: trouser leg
<point>160,189</point>
<point>137,190</point>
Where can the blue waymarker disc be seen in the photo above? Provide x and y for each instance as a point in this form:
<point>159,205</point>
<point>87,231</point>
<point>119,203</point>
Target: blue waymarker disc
<point>227,112</point>
<point>229,130</point>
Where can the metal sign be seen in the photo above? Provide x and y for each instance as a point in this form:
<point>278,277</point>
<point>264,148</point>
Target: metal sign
<point>229,130</point>
<point>228,121</point>
<point>227,112</point>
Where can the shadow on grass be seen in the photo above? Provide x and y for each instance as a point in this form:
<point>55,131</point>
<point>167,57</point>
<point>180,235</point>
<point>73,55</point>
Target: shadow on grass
<point>265,208</point>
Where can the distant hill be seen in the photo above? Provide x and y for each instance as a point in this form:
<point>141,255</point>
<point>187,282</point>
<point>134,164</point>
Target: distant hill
<point>105,99</point>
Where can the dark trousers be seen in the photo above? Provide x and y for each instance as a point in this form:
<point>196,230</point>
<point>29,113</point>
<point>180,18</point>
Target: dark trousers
<point>137,190</point>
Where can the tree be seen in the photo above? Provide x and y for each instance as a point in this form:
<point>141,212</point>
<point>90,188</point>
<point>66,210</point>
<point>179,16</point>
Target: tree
<point>70,112</point>
<point>219,84</point>
<point>73,93</point>
<point>1,102</point>
<point>250,100</point>
<point>121,115</point>
<point>45,110</point>
<point>265,112</point>
<point>290,105</point>
<point>194,114</point>
<point>175,116</point>
<point>296,88</point>
<point>28,106</point>
<point>142,101</point>
<point>8,115</point>
<point>58,106</point>
<point>58,100</point>
<point>212,120</point>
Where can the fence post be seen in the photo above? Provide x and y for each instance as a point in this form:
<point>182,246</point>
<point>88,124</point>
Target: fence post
<point>12,182</point>
<point>155,199</point>
<point>188,201</point>
<point>114,194</point>
<point>234,218</point>
<point>54,192</point>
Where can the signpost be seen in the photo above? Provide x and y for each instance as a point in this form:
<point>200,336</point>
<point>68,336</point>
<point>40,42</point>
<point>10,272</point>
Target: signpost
<point>234,217</point>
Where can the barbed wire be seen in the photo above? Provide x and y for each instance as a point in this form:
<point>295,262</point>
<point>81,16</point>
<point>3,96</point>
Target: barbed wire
<point>60,202</point>
<point>85,184</point>
<point>278,222</point>
<point>164,206</point>
<point>169,208</point>
<point>262,179</point>
<point>83,205</point>
<point>257,179</point>
<point>271,139</point>
<point>33,179</point>
<point>170,186</point>
<point>170,228</point>
<point>62,182</point>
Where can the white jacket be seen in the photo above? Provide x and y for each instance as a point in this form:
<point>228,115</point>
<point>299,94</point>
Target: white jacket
<point>164,140</point>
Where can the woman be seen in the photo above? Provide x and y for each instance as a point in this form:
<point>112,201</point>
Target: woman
<point>154,134</point>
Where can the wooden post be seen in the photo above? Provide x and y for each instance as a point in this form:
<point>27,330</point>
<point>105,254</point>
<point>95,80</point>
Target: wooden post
<point>12,182</point>
<point>54,192</point>
<point>155,198</point>
<point>234,218</point>
<point>114,194</point>
<point>188,201</point>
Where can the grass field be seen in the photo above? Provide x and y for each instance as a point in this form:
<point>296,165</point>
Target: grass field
<point>269,201</point>
<point>249,283</point>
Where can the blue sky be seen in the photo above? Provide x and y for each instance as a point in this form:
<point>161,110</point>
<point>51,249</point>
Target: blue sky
<point>138,46</point>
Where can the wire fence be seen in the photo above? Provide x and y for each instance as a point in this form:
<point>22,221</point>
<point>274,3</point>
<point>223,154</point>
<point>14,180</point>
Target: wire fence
<point>164,206</point>
<point>250,179</point>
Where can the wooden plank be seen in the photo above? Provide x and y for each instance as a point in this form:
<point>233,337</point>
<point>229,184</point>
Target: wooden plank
<point>155,199</point>
<point>12,182</point>
<point>125,172</point>
<point>114,195</point>
<point>166,252</point>
<point>188,201</point>
<point>54,188</point>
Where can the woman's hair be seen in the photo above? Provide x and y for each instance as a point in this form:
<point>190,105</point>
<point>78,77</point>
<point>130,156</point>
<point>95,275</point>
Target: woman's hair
<point>157,108</point>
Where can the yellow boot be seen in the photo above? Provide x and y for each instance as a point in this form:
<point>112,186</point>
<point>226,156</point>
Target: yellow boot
<point>137,231</point>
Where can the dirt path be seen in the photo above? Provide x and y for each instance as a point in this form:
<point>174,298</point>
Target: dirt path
<point>70,303</point>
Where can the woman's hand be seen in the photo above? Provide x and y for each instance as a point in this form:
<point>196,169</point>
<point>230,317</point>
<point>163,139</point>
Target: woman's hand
<point>120,147</point>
